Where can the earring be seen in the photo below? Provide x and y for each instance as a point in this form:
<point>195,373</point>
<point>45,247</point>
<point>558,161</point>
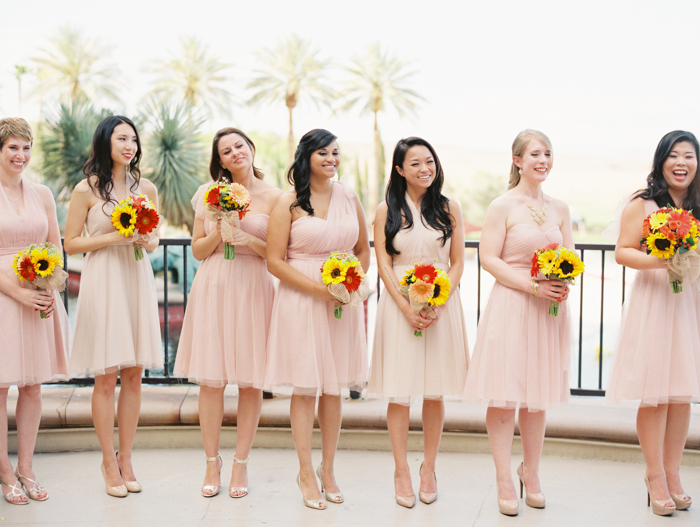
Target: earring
<point>520,171</point>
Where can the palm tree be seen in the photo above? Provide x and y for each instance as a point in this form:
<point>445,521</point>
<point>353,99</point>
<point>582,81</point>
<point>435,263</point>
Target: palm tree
<point>19,72</point>
<point>377,79</point>
<point>289,72</point>
<point>76,67</point>
<point>65,141</point>
<point>173,159</point>
<point>196,76</point>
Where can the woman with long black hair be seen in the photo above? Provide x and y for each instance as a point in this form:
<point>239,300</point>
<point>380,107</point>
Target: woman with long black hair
<point>117,328</point>
<point>308,348</point>
<point>657,358</point>
<point>417,225</point>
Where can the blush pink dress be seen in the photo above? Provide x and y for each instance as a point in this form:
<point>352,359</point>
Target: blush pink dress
<point>657,358</point>
<point>435,364</point>
<point>116,321</point>
<point>32,350</point>
<point>224,334</point>
<point>522,353</point>
<point>308,348</point>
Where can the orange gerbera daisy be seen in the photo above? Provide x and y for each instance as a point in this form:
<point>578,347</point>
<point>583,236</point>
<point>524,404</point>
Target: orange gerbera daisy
<point>421,292</point>
<point>146,220</point>
<point>426,273</point>
<point>352,279</point>
<point>680,221</point>
<point>25,268</point>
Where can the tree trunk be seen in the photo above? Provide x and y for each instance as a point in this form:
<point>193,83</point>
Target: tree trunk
<point>376,179</point>
<point>290,153</point>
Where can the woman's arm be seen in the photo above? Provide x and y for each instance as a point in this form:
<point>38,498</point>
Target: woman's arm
<point>361,249</point>
<point>277,242</point>
<point>456,246</point>
<point>151,191</point>
<point>627,249</point>
<point>203,245</point>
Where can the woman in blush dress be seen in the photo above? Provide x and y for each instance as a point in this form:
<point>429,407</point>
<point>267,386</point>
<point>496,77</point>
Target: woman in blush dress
<point>521,355</point>
<point>224,334</point>
<point>32,350</point>
<point>117,329</point>
<point>417,225</point>
<point>657,359</point>
<point>309,349</point>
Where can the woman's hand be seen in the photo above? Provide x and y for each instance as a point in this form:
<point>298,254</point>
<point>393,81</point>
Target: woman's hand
<point>37,299</point>
<point>438,313</point>
<point>418,321</point>
<point>553,290</point>
<point>240,237</point>
<point>324,294</point>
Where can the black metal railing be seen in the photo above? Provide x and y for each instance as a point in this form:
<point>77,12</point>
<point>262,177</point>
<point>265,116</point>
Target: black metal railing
<point>606,250</point>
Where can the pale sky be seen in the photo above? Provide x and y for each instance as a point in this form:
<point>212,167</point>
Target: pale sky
<point>604,78</point>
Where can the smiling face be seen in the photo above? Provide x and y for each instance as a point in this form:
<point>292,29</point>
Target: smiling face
<point>536,161</point>
<point>15,155</point>
<point>235,153</point>
<point>124,145</point>
<point>418,168</point>
<point>325,161</point>
<point>680,166</point>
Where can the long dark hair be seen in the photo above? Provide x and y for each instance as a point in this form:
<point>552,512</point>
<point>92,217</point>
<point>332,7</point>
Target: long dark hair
<point>434,208</point>
<point>100,164</point>
<point>217,171</point>
<point>299,174</point>
<point>657,188</point>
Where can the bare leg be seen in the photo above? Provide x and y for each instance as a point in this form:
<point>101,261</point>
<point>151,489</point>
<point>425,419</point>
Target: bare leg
<point>651,429</point>
<point>301,413</point>
<point>211,414</point>
<point>28,417</point>
<point>128,410</point>
<point>248,416</point>
<point>103,420</point>
<point>397,419</point>
<point>532,426</point>
<point>677,423</point>
<point>433,421</point>
<point>330,415</point>
<point>500,425</point>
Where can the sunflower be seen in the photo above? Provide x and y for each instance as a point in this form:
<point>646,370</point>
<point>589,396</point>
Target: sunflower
<point>334,271</point>
<point>124,219</point>
<point>24,268</point>
<point>146,220</point>
<point>441,289</point>
<point>427,273</point>
<point>408,278</point>
<point>658,219</point>
<point>547,261</point>
<point>420,292</point>
<point>44,263</point>
<point>569,265</point>
<point>353,278</point>
<point>659,245</point>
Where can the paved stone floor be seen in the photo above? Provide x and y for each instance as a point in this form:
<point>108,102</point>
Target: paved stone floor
<point>579,493</point>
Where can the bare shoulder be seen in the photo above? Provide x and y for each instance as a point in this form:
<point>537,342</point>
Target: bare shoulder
<point>381,210</point>
<point>560,206</point>
<point>502,204</point>
<point>147,186</point>
<point>84,186</point>
<point>270,191</point>
<point>454,207</point>
<point>634,208</point>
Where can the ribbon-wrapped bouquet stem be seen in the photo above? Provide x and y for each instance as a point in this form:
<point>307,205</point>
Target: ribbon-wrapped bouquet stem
<point>136,216</point>
<point>346,281</point>
<point>556,263</point>
<point>425,286</point>
<point>41,265</point>
<point>229,203</point>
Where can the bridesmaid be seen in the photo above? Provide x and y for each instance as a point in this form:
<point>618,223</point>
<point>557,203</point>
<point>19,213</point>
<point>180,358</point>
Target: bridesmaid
<point>224,334</point>
<point>521,355</point>
<point>658,352</point>
<point>117,325</point>
<point>32,350</point>
<point>308,347</point>
<point>417,224</point>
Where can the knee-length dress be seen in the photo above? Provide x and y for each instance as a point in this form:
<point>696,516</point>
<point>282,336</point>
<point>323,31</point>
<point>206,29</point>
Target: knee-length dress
<point>435,364</point>
<point>32,350</point>
<point>116,322</point>
<point>308,348</point>
<point>522,353</point>
<point>657,357</point>
<point>224,333</point>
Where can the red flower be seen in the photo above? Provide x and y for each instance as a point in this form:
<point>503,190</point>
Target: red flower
<point>553,245</point>
<point>427,273</point>
<point>666,231</point>
<point>646,228</point>
<point>535,266</point>
<point>680,221</point>
<point>352,280</point>
<point>26,268</point>
<point>214,196</point>
<point>146,220</point>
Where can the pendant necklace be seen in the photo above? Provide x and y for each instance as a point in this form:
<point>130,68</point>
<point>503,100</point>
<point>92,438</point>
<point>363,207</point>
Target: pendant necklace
<point>539,214</point>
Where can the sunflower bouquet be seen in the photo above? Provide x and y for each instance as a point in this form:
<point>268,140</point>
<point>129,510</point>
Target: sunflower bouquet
<point>229,203</point>
<point>345,278</point>
<point>136,216</point>
<point>41,265</point>
<point>556,263</point>
<point>672,234</point>
<point>425,286</point>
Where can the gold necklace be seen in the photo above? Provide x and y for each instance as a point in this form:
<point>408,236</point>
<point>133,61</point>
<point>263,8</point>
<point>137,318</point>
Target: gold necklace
<point>539,214</point>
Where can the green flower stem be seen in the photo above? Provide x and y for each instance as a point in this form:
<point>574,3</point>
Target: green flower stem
<point>229,251</point>
<point>418,333</point>
<point>677,286</point>
<point>338,311</point>
<point>554,308</point>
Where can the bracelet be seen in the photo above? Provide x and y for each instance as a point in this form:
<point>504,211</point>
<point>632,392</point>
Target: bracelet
<point>534,287</point>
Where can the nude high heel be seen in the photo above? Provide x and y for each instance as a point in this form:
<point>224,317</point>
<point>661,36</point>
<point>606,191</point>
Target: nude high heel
<point>660,508</point>
<point>682,501</point>
<point>243,490</point>
<point>333,497</point>
<point>508,507</point>
<point>427,497</point>
<point>119,491</point>
<point>536,501</point>
<point>35,491</point>
<point>131,486</point>
<point>318,505</point>
<point>405,501</point>
<point>209,491</point>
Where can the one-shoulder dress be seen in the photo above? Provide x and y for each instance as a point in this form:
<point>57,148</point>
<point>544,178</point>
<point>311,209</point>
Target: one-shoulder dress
<point>657,358</point>
<point>522,353</point>
<point>308,348</point>
<point>434,365</point>
<point>32,350</point>
<point>224,334</point>
<point>116,322</point>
